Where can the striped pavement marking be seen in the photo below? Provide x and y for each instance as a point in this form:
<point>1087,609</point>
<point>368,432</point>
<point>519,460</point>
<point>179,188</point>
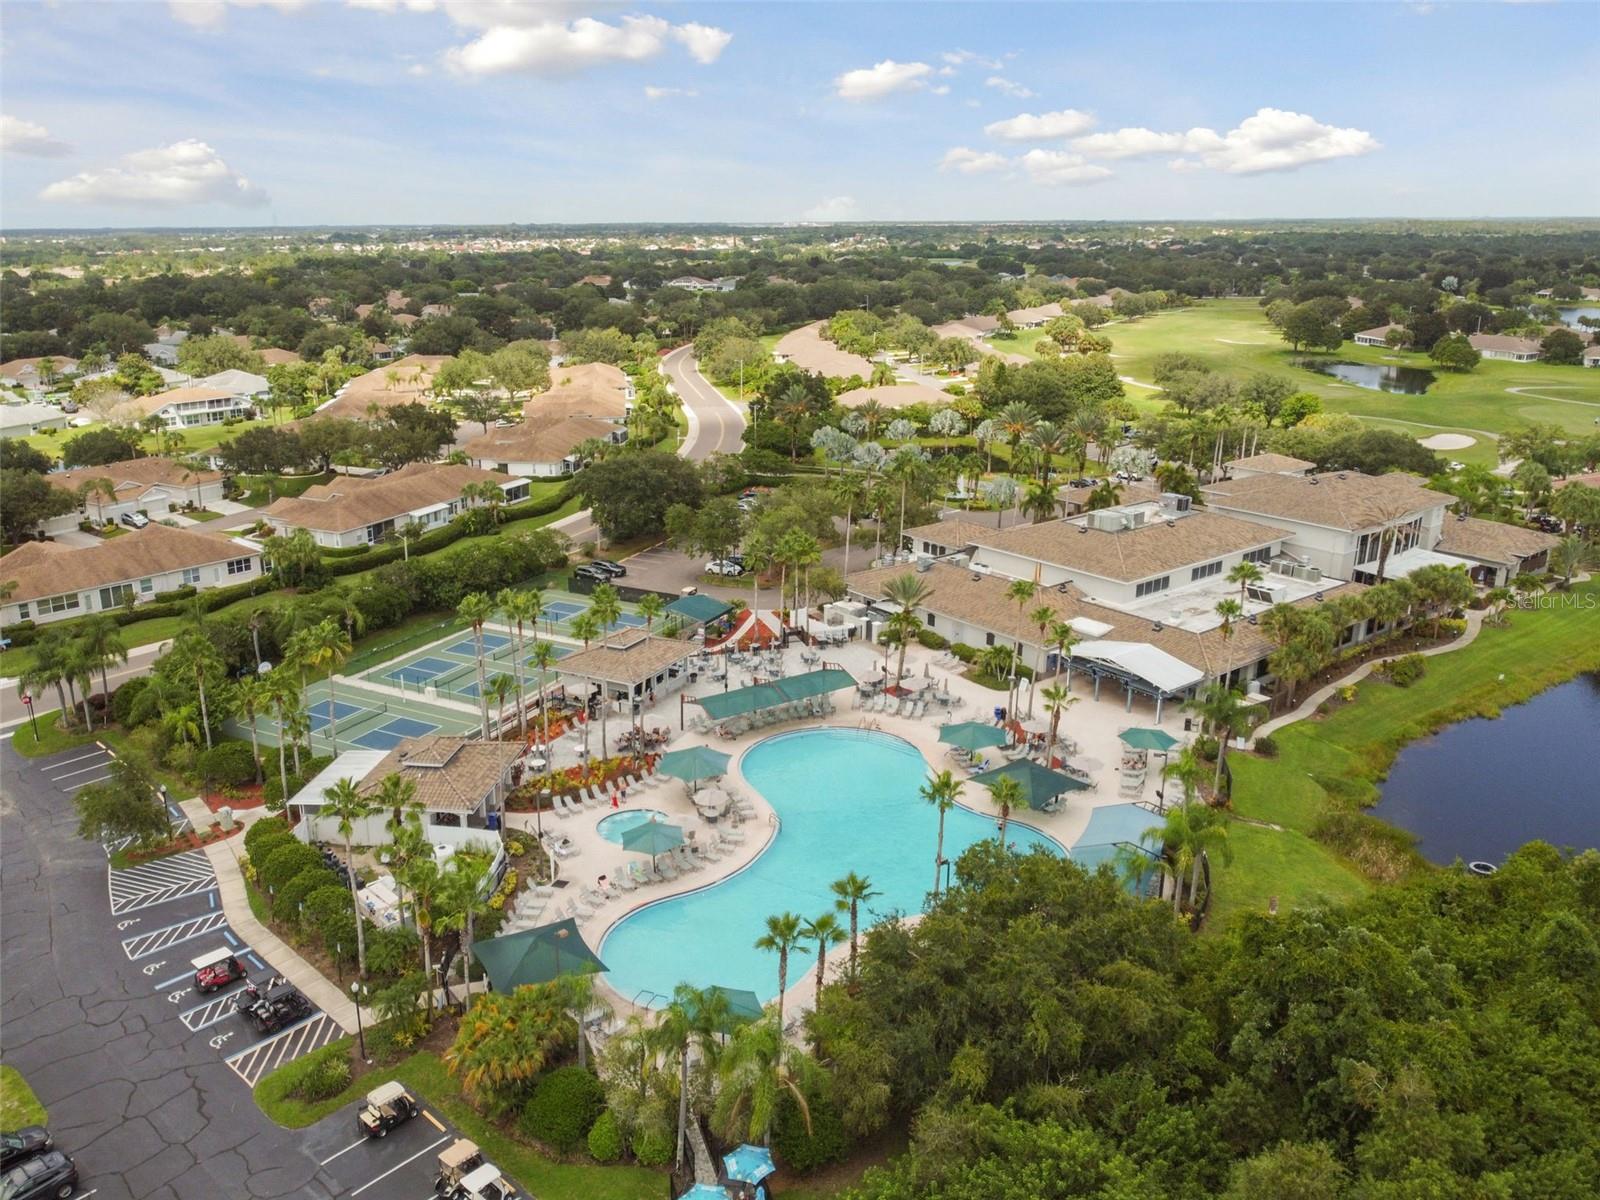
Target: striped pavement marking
<point>313,1033</point>
<point>213,1010</point>
<point>155,940</point>
<point>159,881</point>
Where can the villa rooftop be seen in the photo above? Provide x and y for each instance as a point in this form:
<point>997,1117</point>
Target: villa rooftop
<point>1493,541</point>
<point>1335,499</point>
<point>630,656</point>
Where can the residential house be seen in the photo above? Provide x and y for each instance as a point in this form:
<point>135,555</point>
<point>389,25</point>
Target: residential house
<point>21,420</point>
<point>37,375</point>
<point>972,328</point>
<point>154,486</point>
<point>54,582</point>
<point>599,281</point>
<point>352,511</point>
<point>274,357</point>
<point>461,787</point>
<point>1378,336</point>
<point>1591,357</point>
<point>1496,552</point>
<point>189,406</point>
<point>691,283</point>
<point>1267,464</point>
<point>407,380</point>
<point>1506,347</point>
<point>896,395</point>
<point>437,310</point>
<point>809,350</point>
<point>247,385</point>
<point>1032,318</point>
<point>540,448</point>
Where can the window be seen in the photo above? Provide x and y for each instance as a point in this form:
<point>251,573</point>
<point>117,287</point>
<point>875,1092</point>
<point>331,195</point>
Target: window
<point>1263,555</point>
<point>58,604</point>
<point>930,621</point>
<point>146,586</point>
<point>1205,570</point>
<point>238,566</point>
<point>115,595</point>
<point>191,576</point>
<point>1151,586</point>
<point>22,611</point>
<point>988,639</point>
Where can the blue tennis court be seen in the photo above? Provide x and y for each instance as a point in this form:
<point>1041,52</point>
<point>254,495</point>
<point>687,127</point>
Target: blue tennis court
<point>562,610</point>
<point>626,621</point>
<point>422,670</point>
<point>388,736</point>
<point>469,649</point>
<point>324,711</point>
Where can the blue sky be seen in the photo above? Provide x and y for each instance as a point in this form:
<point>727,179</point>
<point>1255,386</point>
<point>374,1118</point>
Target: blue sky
<point>353,111</point>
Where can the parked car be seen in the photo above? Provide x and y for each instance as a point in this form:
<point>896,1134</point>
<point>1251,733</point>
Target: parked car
<point>135,520</point>
<point>615,569</point>
<point>275,1006</point>
<point>18,1144</point>
<point>386,1107</point>
<point>723,566</point>
<point>49,1174</point>
<point>592,573</point>
<point>217,970</point>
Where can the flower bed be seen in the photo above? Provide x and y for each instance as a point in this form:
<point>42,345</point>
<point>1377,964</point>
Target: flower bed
<point>602,773</point>
<point>188,840</point>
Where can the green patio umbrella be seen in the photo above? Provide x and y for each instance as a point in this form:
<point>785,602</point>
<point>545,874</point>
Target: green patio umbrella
<point>972,735</point>
<point>742,1006</point>
<point>1039,784</point>
<point>536,955</point>
<point>1148,739</point>
<point>694,764</point>
<point>653,837</point>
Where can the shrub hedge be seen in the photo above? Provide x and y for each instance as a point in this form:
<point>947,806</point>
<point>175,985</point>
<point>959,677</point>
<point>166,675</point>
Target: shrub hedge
<point>605,1139</point>
<point>563,1108</point>
<point>232,764</point>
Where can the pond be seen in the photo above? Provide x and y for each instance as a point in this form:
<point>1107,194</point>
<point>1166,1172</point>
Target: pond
<point>1479,789</point>
<point>1571,312</point>
<point>1408,381</point>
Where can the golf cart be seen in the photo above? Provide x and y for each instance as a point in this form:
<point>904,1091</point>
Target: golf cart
<point>216,970</point>
<point>276,1006</point>
<point>465,1175</point>
<point>386,1107</point>
<point>484,1183</point>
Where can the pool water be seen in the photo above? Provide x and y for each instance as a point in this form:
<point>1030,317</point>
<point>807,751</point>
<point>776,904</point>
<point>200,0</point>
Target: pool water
<point>847,800</point>
<point>613,827</point>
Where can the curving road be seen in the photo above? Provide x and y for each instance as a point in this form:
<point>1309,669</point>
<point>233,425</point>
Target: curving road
<point>716,426</point>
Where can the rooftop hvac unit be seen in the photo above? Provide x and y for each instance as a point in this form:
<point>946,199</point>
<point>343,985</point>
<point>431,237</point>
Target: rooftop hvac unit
<point>1309,574</point>
<point>1136,518</point>
<point>1176,501</point>
<point>924,565</point>
<point>1267,592</point>
<point>1108,520</point>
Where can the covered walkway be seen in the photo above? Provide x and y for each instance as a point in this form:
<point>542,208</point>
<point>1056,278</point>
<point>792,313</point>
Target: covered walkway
<point>792,690</point>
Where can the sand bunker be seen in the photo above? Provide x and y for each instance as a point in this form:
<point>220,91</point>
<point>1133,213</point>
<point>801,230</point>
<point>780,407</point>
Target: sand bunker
<point>1448,441</point>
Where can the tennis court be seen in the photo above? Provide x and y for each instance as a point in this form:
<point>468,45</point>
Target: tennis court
<point>390,735</point>
<point>325,712</point>
<point>421,670</point>
<point>468,648</point>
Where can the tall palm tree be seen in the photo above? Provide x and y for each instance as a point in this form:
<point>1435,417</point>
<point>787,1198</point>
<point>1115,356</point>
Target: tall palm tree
<point>909,591</point>
<point>99,489</point>
<point>825,931</point>
<point>476,609</point>
<point>79,665</point>
<point>543,660</point>
<point>1014,421</point>
<point>197,654</point>
<point>1056,702</point>
<point>692,1019</point>
<point>502,688</point>
<point>462,898</point>
<point>328,645</point>
<point>1042,617</point>
<point>940,791</point>
<point>1049,439</point>
<point>519,610</point>
<point>650,607</point>
<point>1038,501</point>
<point>851,892</point>
<point>1063,637</point>
<point>101,639</point>
<point>49,670</point>
<point>1007,795</point>
<point>606,608</point>
<point>346,805</point>
<point>585,627</point>
<point>1106,494</point>
<point>253,696</point>
<point>1190,832</point>
<point>1230,610</point>
<point>1244,573</point>
<point>1019,592</point>
<point>782,937</point>
<point>1223,711</point>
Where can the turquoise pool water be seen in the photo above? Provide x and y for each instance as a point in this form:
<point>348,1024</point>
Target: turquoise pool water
<point>848,801</point>
<point>613,827</point>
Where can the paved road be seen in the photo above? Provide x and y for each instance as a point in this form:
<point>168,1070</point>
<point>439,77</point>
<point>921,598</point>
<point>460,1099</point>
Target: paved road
<point>138,1093</point>
<point>12,711</point>
<point>716,426</point>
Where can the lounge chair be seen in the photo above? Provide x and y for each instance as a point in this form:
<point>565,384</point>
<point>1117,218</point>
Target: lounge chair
<point>686,859</point>
<point>665,868</point>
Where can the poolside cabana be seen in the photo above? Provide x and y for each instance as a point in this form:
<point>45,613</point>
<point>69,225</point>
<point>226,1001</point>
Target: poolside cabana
<point>1140,669</point>
<point>698,609</point>
<point>632,666</point>
<point>536,955</point>
<point>764,697</point>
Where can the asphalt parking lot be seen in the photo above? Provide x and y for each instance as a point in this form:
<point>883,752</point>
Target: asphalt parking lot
<point>403,1163</point>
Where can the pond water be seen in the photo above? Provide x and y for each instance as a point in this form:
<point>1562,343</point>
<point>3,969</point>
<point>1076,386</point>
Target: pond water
<point>1571,312</point>
<point>1479,789</point>
<point>1408,381</point>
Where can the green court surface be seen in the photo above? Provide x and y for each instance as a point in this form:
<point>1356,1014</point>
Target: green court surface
<point>448,667</point>
<point>366,719</point>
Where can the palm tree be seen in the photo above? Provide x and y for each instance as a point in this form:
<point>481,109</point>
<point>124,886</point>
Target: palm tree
<point>585,627</point>
<point>101,639</point>
<point>544,660</point>
<point>1224,712</point>
<point>48,670</point>
<point>650,607</point>
<point>100,489</point>
<point>476,609</point>
<point>252,696</point>
<point>461,895</point>
<point>79,667</point>
<point>910,592</point>
<point>1042,617</point>
<point>1189,832</point>
<point>501,689</point>
<point>1019,591</point>
<point>1063,637</point>
<point>758,1066</point>
<point>346,805</point>
<point>1014,421</point>
<point>1056,702</point>
<point>1570,556</point>
<point>521,609</point>
<point>692,1018</point>
<point>782,937</point>
<point>606,608</point>
<point>338,602</point>
<point>196,652</point>
<point>852,892</point>
<point>940,791</point>
<point>1230,610</point>
<point>825,931</point>
<point>1244,573</point>
<point>328,645</point>
<point>1038,500</point>
<point>1007,795</point>
<point>1049,439</point>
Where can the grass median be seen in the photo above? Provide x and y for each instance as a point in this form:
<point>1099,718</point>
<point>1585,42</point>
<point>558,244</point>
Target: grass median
<point>18,1105</point>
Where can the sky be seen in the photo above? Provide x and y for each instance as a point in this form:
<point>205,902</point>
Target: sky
<point>314,112</point>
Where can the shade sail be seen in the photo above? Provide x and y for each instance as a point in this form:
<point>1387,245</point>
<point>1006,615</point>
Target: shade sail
<point>536,955</point>
<point>698,609</point>
<point>749,1164</point>
<point>758,696</point>
<point>1148,739</point>
<point>1163,671</point>
<point>694,763</point>
<point>972,735</point>
<point>1039,784</point>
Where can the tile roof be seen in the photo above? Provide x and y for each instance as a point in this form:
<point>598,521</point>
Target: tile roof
<point>538,442</point>
<point>1271,464</point>
<point>49,568</point>
<point>1493,541</point>
<point>452,774</point>
<point>806,348</point>
<point>135,474</point>
<point>1035,315</point>
<point>150,405</point>
<point>1338,499</point>
<point>954,534</point>
<point>275,357</point>
<point>375,387</point>
<point>18,367</point>
<point>1076,497</point>
<point>968,327</point>
<point>1483,342</point>
<point>235,382</point>
<point>1131,554</point>
<point>897,395</point>
<point>981,601</point>
<point>629,657</point>
<point>1379,331</point>
<point>351,502</point>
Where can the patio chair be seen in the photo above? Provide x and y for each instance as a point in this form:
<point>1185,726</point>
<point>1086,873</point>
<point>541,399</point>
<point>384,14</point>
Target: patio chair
<point>638,874</point>
<point>582,908</point>
<point>621,877</point>
<point>665,869</point>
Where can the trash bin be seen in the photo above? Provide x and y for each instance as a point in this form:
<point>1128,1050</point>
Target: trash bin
<point>225,818</point>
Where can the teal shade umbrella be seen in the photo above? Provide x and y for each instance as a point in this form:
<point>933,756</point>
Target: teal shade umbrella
<point>694,764</point>
<point>749,1164</point>
<point>706,1191</point>
<point>1148,739</point>
<point>972,735</point>
<point>1040,784</point>
<point>742,1007</point>
<point>652,837</point>
<point>536,955</point>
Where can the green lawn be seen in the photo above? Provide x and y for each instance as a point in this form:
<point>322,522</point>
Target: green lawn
<point>51,738</point>
<point>1233,336</point>
<point>18,1105</point>
<point>1336,763</point>
<point>425,1075</point>
<point>203,514</point>
<point>261,490</point>
<point>196,439</point>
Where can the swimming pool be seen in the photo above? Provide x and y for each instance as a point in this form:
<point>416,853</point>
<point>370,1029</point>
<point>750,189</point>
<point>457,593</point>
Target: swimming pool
<point>848,801</point>
<point>613,827</point>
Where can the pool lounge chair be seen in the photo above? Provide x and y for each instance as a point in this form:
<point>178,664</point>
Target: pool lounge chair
<point>665,869</point>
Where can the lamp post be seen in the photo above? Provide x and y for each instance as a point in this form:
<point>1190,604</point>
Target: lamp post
<point>358,991</point>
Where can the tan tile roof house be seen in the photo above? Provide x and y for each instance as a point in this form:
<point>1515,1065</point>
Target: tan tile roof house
<point>412,381</point>
<point>359,505</point>
<point>452,774</point>
<point>536,444</point>
<point>1268,464</point>
<point>1495,543</point>
<point>136,476</point>
<point>26,371</point>
<point>1504,346</point>
<point>806,348</point>
<point>896,395</point>
<point>1337,499</point>
<point>1132,554</point>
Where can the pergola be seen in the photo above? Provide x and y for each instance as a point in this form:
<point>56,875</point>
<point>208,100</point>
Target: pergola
<point>742,701</point>
<point>1139,667</point>
<point>627,663</point>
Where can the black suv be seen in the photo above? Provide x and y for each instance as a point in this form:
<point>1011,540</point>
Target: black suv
<point>592,573</point>
<point>49,1174</point>
<point>614,569</point>
<point>18,1144</point>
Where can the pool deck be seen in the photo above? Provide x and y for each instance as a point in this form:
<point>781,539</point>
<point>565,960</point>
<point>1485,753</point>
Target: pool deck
<point>1093,725</point>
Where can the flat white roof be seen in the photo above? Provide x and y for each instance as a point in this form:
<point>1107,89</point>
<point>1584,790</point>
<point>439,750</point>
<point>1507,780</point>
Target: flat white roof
<point>1149,663</point>
<point>352,764</point>
<point>1410,560</point>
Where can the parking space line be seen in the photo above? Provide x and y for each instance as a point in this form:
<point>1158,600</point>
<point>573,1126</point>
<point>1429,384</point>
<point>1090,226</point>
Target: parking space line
<point>81,758</point>
<point>156,940</point>
<point>397,1166</point>
<point>74,787</point>
<point>314,1032</point>
<point>202,1015</point>
<point>80,771</point>
<point>346,1150</point>
<point>433,1120</point>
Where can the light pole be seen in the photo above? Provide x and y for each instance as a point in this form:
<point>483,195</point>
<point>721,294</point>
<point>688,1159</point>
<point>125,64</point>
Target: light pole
<point>358,990</point>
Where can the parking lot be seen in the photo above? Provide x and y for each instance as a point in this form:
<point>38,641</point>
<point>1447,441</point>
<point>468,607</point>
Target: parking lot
<point>401,1164</point>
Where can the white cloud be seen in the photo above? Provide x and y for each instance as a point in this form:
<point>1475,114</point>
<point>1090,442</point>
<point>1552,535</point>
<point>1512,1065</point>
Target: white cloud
<point>389,6</point>
<point>1010,87</point>
<point>666,93</point>
<point>549,47</point>
<point>1271,140</point>
<point>1059,166</point>
<point>209,14</point>
<point>971,162</point>
<point>705,43</point>
<point>960,58</point>
<point>27,137</point>
<point>834,208</point>
<point>186,172</point>
<point>881,79</point>
<point>942,90</point>
<point>1026,127</point>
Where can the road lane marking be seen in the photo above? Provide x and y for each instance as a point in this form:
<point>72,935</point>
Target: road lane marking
<point>397,1166</point>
